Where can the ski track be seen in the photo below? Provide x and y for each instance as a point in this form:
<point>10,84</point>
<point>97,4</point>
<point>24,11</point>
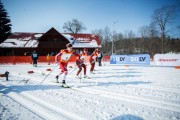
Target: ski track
<point>132,99</point>
<point>12,110</point>
<point>40,107</point>
<point>129,98</point>
<point>55,112</point>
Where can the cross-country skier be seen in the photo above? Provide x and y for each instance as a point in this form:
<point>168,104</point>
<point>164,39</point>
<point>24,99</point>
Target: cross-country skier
<point>80,63</point>
<point>65,54</point>
<point>92,60</point>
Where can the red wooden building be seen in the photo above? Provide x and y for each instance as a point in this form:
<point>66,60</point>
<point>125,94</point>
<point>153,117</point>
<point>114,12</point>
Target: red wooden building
<point>51,42</point>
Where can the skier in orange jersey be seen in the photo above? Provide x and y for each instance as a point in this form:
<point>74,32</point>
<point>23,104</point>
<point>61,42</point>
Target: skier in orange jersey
<point>92,60</point>
<point>80,63</point>
<point>65,54</point>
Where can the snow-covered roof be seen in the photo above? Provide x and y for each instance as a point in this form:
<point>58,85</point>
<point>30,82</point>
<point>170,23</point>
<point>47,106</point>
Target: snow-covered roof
<point>30,40</point>
<point>21,40</point>
<point>83,40</point>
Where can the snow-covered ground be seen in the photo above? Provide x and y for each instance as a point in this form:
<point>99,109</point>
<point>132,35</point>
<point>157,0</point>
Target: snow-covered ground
<point>115,92</point>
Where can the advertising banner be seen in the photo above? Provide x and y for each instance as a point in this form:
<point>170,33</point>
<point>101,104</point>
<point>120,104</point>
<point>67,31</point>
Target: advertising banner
<point>119,59</point>
<point>143,59</point>
<point>167,59</point>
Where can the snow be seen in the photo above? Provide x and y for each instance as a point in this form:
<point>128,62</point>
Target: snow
<point>31,42</point>
<point>38,35</point>
<point>24,42</point>
<point>114,92</point>
<point>27,40</point>
<point>91,44</point>
<point>81,42</point>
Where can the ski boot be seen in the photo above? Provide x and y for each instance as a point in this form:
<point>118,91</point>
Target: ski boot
<point>78,77</point>
<point>57,79</point>
<point>85,76</point>
<point>64,84</point>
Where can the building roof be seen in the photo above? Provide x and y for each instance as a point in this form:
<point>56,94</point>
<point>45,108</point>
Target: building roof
<point>21,40</point>
<point>83,40</point>
<point>30,40</point>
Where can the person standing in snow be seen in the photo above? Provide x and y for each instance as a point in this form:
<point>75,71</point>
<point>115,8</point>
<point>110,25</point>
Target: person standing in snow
<point>92,60</point>
<point>34,57</point>
<point>80,63</point>
<point>48,58</point>
<point>99,57</point>
<point>65,54</point>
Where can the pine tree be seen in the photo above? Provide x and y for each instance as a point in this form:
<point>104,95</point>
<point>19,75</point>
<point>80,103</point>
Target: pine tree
<point>5,26</point>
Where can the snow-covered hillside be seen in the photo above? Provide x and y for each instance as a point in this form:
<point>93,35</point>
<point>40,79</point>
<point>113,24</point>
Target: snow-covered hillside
<point>115,92</point>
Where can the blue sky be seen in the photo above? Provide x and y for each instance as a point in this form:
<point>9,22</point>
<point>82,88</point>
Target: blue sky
<point>41,15</point>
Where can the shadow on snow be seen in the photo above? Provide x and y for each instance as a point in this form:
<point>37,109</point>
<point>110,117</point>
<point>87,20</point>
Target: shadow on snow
<point>127,117</point>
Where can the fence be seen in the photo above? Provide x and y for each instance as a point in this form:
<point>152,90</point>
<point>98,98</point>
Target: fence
<point>27,59</point>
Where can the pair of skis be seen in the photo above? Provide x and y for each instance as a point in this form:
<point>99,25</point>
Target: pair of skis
<point>64,85</point>
<point>52,71</point>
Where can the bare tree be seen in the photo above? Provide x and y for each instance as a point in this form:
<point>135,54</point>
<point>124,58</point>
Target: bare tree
<point>74,26</point>
<point>128,41</point>
<point>162,17</point>
<point>153,33</point>
<point>105,37</point>
<point>100,34</point>
<point>118,43</point>
<point>144,31</point>
<point>178,29</point>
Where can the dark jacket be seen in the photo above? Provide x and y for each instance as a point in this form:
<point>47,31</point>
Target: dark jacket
<point>100,56</point>
<point>34,56</point>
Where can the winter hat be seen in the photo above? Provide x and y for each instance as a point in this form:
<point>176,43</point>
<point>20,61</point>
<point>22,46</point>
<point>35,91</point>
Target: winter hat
<point>69,45</point>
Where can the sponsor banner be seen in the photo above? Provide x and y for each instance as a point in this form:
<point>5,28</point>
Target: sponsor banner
<point>167,59</point>
<point>130,59</point>
<point>119,59</point>
<point>143,59</point>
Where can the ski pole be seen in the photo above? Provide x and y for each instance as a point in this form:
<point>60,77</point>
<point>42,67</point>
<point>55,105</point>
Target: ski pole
<point>73,70</point>
<point>49,74</point>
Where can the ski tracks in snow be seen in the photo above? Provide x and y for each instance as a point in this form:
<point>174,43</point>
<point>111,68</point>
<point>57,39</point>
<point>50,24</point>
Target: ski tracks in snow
<point>132,99</point>
<point>128,98</point>
<point>41,108</point>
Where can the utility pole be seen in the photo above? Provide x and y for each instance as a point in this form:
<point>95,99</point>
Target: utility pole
<point>113,37</point>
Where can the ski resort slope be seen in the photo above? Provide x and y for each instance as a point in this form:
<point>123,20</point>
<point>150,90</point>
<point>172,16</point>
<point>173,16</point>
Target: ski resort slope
<point>114,92</point>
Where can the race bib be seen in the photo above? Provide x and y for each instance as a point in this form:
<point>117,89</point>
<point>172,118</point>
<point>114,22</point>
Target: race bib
<point>65,56</point>
<point>94,57</point>
<point>82,57</point>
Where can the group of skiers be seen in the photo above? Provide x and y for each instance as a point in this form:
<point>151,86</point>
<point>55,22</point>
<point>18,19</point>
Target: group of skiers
<point>65,55</point>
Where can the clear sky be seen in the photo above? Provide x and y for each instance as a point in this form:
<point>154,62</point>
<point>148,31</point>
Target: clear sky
<point>41,15</point>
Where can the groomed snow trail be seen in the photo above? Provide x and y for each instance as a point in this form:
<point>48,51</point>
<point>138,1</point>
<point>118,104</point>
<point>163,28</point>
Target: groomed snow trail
<point>39,107</point>
<point>114,92</point>
<point>133,99</point>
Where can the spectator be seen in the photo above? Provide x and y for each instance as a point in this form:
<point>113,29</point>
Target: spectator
<point>48,58</point>
<point>34,57</point>
<point>99,57</point>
